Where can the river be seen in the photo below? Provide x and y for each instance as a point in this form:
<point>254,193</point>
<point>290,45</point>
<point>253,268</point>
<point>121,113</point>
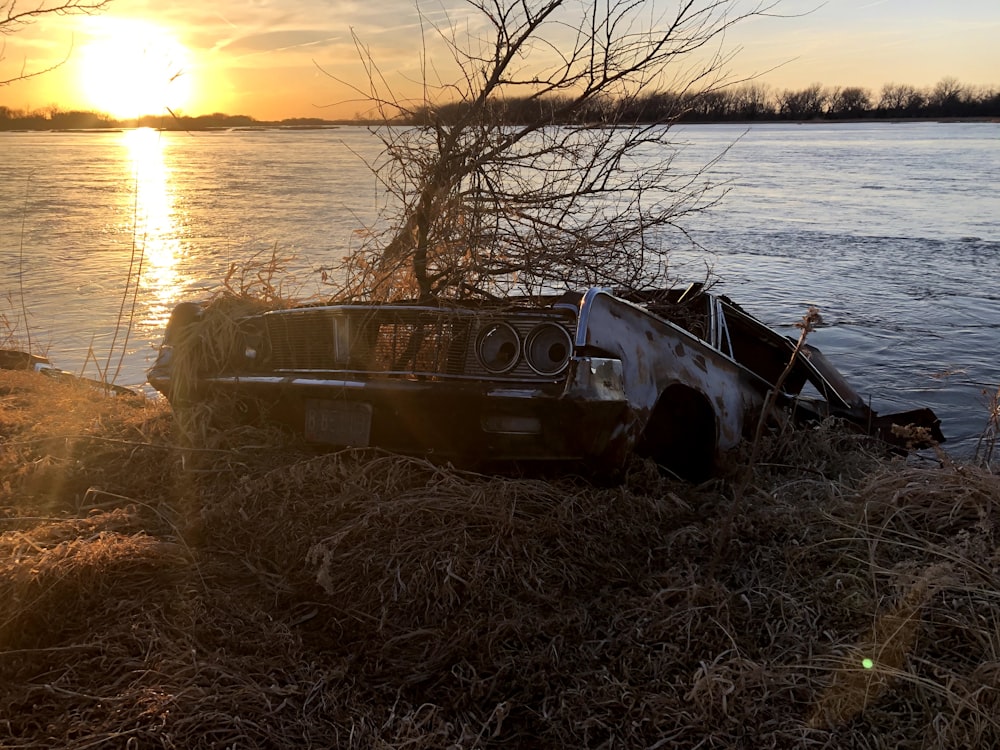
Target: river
<point>891,229</point>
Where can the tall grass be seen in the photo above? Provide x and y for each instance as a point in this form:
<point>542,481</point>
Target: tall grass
<point>8,328</point>
<point>987,442</point>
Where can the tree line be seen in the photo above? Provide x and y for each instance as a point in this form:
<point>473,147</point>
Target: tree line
<point>749,102</point>
<point>758,102</point>
<point>54,119</point>
<point>948,98</point>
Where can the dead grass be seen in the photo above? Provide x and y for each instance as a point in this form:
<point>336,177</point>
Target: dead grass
<point>991,433</point>
<point>248,593</point>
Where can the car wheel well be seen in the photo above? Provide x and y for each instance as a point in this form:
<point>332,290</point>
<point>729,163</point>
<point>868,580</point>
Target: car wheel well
<point>681,434</point>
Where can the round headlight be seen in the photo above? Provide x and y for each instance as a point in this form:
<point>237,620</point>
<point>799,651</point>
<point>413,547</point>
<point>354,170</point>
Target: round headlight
<point>498,348</point>
<point>548,348</point>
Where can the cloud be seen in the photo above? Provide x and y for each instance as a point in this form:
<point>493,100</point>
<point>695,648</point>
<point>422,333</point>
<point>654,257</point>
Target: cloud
<point>283,40</point>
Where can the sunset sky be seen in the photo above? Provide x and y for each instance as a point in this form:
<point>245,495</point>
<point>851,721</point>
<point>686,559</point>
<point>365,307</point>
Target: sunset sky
<point>270,58</point>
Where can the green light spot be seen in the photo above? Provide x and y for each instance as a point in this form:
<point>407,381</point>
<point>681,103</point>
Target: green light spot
<point>867,663</point>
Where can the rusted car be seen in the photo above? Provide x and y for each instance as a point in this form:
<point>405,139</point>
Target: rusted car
<point>590,376</point>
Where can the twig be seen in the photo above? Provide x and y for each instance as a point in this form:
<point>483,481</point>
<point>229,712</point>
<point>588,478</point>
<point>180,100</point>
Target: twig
<point>20,264</point>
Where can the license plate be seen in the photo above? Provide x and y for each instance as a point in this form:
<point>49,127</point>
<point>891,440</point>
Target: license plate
<point>338,422</point>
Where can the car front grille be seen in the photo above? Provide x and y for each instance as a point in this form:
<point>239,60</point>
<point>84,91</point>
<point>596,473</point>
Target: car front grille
<point>393,340</point>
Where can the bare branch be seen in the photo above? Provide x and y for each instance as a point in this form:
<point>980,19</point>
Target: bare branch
<point>14,18</point>
<point>506,182</point>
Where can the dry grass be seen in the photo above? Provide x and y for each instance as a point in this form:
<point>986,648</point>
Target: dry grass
<point>257,285</point>
<point>249,593</point>
<point>991,433</point>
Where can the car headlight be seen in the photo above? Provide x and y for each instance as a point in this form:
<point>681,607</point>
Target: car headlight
<point>548,348</point>
<point>498,348</point>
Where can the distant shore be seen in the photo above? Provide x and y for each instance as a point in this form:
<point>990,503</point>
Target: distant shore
<point>13,127</point>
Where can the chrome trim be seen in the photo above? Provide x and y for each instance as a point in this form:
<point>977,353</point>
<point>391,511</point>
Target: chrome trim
<point>583,322</point>
<point>718,329</point>
<point>366,308</point>
<point>286,380</point>
<point>514,393</point>
<point>725,341</point>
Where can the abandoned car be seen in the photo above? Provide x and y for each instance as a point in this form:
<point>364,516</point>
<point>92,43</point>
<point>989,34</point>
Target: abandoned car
<point>590,376</point>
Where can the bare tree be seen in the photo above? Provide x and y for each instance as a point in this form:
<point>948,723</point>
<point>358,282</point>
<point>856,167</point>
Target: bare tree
<point>947,96</point>
<point>850,101</point>
<point>805,104</point>
<point>901,98</point>
<point>527,173</point>
<point>14,18</point>
<point>753,101</point>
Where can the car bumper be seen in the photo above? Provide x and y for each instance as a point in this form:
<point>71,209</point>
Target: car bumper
<point>581,417</point>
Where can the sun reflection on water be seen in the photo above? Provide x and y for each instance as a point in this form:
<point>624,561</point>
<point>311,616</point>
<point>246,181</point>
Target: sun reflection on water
<point>156,234</point>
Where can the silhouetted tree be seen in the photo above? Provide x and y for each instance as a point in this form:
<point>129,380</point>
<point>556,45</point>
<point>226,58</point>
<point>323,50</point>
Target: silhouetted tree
<point>851,101</point>
<point>485,206</point>
<point>76,120</point>
<point>946,92</point>
<point>987,102</point>
<point>805,104</point>
<point>901,99</point>
<point>947,98</point>
<point>711,105</point>
<point>752,101</point>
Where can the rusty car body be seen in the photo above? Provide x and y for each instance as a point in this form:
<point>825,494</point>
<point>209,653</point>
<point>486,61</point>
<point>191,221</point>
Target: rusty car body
<point>680,375</point>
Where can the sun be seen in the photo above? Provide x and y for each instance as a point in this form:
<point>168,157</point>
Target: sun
<point>132,68</point>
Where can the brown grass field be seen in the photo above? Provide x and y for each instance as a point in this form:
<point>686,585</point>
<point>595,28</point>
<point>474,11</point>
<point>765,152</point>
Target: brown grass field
<point>236,590</point>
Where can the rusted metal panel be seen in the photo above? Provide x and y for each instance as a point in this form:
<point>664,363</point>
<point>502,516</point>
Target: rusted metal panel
<point>656,354</point>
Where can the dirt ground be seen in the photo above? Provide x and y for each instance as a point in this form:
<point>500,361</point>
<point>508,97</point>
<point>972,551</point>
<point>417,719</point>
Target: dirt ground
<point>171,588</point>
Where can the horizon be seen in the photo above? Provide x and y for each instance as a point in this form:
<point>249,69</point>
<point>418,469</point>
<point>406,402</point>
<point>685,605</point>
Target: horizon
<point>978,104</point>
<point>274,62</point>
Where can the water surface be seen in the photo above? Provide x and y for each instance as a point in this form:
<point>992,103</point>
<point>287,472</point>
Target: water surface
<point>892,230</point>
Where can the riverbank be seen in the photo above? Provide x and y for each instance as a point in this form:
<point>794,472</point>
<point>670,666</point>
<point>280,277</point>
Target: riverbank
<point>234,589</point>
